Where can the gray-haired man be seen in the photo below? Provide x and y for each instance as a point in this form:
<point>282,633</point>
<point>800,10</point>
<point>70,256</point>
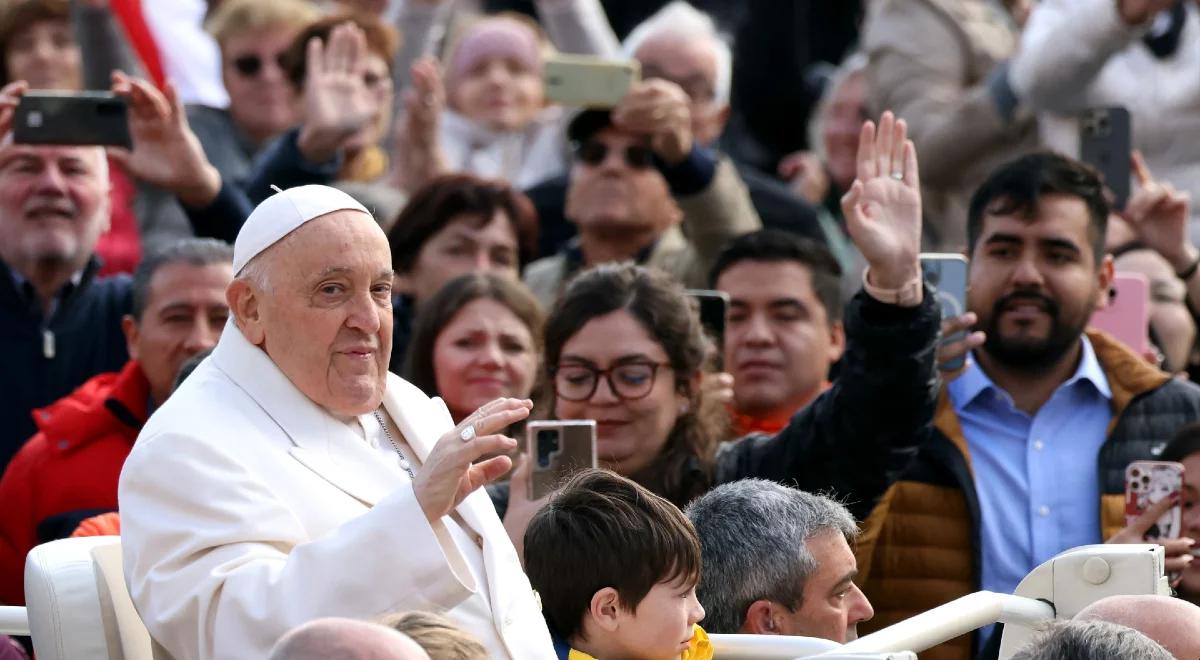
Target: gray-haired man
<point>801,578</point>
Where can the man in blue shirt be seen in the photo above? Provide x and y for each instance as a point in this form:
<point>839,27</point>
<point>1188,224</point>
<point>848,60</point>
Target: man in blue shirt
<point>1032,440</point>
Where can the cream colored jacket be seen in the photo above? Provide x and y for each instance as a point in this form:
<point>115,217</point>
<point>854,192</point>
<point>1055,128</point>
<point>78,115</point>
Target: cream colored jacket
<point>247,510</point>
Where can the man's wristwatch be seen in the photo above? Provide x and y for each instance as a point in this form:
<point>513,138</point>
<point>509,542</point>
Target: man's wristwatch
<point>908,295</point>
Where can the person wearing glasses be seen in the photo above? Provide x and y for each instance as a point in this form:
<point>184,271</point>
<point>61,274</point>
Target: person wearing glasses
<point>643,189</point>
<point>252,36</point>
<point>624,347</point>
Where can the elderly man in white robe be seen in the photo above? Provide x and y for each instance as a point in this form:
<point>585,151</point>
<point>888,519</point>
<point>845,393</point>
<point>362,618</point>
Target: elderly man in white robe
<point>291,477</point>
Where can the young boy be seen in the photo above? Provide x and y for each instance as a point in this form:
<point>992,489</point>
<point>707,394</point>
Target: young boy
<point>616,567</point>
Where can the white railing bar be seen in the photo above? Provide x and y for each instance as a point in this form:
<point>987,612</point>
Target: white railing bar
<point>13,620</point>
<point>958,617</point>
<point>767,647</point>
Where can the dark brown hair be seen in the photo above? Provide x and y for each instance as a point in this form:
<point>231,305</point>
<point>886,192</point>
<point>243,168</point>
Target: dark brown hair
<point>15,17</point>
<point>436,313</point>
<point>446,197</point>
<point>603,530</point>
<point>684,468</point>
<point>382,40</point>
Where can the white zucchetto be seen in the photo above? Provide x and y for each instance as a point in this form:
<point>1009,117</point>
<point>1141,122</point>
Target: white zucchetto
<point>284,212</point>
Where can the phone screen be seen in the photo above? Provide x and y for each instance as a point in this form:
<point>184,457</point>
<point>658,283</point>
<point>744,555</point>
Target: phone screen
<point>947,275</point>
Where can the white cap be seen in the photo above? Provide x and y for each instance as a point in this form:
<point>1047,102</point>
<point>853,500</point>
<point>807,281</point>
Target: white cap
<point>284,212</point>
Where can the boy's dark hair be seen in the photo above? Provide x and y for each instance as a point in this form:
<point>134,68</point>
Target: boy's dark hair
<point>603,530</point>
<point>774,245</point>
<point>1017,186</point>
<point>190,251</point>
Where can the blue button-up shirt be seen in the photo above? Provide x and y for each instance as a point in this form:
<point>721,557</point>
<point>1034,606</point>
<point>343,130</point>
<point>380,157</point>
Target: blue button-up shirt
<point>1036,477</point>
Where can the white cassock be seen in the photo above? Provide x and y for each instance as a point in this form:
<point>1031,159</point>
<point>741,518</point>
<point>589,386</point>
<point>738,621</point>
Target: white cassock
<point>247,510</point>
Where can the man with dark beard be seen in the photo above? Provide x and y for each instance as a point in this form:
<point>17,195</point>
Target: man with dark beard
<point>1033,438</point>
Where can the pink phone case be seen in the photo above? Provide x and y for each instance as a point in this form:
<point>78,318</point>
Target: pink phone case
<point>1150,482</point>
<point>1127,316</point>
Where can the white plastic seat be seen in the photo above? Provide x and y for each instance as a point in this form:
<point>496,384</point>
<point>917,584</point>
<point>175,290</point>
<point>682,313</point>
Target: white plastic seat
<point>78,606</point>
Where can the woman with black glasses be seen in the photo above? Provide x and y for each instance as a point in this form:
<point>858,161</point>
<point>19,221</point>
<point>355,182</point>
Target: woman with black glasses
<point>624,346</point>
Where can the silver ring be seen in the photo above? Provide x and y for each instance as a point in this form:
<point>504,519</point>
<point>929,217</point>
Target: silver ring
<point>899,176</point>
<point>468,432</point>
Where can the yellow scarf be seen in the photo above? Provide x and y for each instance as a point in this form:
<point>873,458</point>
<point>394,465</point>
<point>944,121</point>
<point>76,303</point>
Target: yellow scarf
<point>698,649</point>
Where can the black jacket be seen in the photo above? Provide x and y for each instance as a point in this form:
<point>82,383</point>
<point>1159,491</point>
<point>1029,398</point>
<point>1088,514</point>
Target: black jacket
<point>855,439</point>
<point>43,361</point>
<point>858,436</point>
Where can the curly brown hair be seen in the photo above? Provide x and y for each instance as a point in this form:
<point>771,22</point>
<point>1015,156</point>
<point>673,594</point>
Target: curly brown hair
<point>684,468</point>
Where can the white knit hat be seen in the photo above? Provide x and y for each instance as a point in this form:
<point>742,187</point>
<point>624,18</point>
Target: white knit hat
<point>284,212</point>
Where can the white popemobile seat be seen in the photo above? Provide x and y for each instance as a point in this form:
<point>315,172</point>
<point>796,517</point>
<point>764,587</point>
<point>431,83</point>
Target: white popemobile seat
<point>79,609</point>
<point>78,605</point>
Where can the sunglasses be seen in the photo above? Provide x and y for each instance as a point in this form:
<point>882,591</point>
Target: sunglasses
<point>636,156</point>
<point>251,65</point>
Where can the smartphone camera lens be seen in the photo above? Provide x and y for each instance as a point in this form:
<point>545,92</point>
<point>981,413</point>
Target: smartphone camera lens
<point>548,444</point>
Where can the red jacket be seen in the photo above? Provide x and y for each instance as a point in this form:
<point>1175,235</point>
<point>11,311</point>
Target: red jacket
<point>68,471</point>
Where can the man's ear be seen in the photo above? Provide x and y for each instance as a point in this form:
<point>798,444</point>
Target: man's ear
<point>837,341</point>
<point>605,609</point>
<point>762,618</point>
<point>1105,277</point>
<point>129,327</point>
<point>243,301</point>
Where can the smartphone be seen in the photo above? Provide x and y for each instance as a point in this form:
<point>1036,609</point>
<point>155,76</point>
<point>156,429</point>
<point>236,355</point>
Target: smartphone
<point>1127,315</point>
<point>72,118</point>
<point>1106,143</point>
<point>947,275</point>
<point>1150,482</point>
<point>587,81</point>
<point>558,448</point>
<point>712,306</point>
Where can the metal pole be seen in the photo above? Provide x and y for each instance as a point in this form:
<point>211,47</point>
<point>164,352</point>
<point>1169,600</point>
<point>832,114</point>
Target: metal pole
<point>958,617</point>
<point>13,621</point>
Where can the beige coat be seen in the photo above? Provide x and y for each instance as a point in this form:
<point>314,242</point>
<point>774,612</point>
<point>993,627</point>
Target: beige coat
<point>937,64</point>
<point>247,510</point>
<point>711,218</point>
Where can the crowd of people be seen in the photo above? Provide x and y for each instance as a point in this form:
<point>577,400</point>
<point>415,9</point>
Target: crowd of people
<point>286,343</point>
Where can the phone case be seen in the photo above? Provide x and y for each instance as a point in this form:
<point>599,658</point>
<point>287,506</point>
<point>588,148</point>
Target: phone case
<point>711,306</point>
<point>558,449</point>
<point>1150,482</point>
<point>588,82</point>
<point>1127,315</point>
<point>947,274</point>
<point>1106,143</point>
<point>84,118</point>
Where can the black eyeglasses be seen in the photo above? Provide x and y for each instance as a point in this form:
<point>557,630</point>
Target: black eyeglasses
<point>629,381</point>
<point>637,156</point>
<point>251,65</point>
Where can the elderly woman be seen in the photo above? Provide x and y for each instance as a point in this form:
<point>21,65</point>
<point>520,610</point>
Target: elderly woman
<point>252,36</point>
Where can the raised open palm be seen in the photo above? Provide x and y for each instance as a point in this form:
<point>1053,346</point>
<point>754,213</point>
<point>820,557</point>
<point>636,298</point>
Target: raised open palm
<point>337,103</point>
<point>883,206</point>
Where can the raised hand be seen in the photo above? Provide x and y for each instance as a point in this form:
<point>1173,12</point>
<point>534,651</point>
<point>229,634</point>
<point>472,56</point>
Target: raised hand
<point>419,155</point>
<point>1159,215</point>
<point>883,206</point>
<point>662,110</point>
<point>337,103</point>
<point>166,152</point>
<point>10,96</point>
<point>521,508</point>
<point>450,472</point>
